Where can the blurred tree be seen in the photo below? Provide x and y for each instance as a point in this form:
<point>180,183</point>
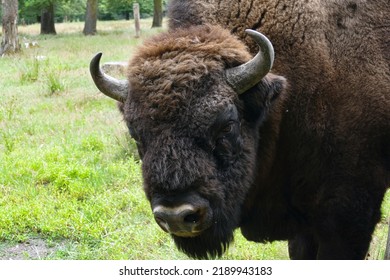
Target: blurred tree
<point>65,10</point>
<point>70,10</point>
<point>91,17</point>
<point>146,7</point>
<point>116,8</point>
<point>158,13</point>
<point>44,11</point>
<point>10,41</point>
<point>30,11</point>
<point>47,18</point>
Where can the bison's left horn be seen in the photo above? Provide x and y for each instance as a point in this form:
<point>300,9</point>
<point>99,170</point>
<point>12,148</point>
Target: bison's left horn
<point>245,76</point>
<point>114,88</point>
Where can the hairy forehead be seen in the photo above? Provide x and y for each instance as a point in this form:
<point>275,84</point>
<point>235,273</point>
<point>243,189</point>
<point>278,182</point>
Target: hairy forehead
<point>172,95</point>
<point>177,70</point>
<point>194,110</point>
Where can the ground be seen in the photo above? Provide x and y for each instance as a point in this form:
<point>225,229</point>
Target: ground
<point>32,249</point>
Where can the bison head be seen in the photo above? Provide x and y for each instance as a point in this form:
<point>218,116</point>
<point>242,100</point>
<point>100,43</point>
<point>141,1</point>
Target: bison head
<point>194,101</point>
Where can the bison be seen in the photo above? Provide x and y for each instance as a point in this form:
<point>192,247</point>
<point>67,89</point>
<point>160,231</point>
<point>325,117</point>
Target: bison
<point>301,153</point>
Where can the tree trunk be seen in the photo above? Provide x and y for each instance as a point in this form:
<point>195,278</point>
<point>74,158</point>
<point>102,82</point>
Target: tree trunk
<point>10,41</point>
<point>127,15</point>
<point>91,17</point>
<point>47,20</point>
<point>158,13</point>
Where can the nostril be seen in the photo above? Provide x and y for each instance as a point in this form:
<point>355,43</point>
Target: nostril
<point>183,220</point>
<point>159,216</point>
<point>186,220</point>
<point>161,221</point>
<point>193,218</point>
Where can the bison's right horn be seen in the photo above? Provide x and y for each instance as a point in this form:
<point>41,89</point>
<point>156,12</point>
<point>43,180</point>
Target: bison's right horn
<point>245,76</point>
<point>114,88</point>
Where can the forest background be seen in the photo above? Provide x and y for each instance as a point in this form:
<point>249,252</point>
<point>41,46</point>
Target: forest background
<point>49,12</point>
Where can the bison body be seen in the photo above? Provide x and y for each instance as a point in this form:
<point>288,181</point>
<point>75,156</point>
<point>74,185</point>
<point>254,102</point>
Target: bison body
<point>302,155</point>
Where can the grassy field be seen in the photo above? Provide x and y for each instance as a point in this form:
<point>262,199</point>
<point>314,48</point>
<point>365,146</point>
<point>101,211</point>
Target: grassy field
<point>70,179</point>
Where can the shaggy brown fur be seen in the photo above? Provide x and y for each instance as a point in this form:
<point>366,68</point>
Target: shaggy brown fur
<point>308,162</point>
<point>177,109</point>
<point>336,125</point>
<point>174,62</point>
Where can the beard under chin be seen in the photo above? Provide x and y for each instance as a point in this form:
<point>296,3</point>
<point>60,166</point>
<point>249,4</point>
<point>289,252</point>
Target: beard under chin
<point>209,245</point>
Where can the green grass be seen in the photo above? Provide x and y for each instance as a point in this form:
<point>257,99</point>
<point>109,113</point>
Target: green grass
<point>69,173</point>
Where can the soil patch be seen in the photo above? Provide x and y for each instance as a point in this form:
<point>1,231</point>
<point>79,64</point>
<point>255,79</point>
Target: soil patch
<point>32,249</point>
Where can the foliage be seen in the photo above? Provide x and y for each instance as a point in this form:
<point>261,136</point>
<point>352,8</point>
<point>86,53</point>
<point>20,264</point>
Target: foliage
<point>74,10</point>
<point>54,84</point>
<point>29,71</point>
<point>66,10</point>
<point>32,70</point>
<point>71,10</point>
<point>119,9</point>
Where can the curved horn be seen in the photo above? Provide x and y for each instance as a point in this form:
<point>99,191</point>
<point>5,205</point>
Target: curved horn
<point>114,88</point>
<point>245,76</point>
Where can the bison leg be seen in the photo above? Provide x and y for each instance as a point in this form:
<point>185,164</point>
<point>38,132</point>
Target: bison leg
<point>339,249</point>
<point>348,245</point>
<point>303,247</point>
<point>344,232</point>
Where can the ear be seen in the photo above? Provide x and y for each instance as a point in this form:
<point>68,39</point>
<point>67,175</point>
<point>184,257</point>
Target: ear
<point>259,99</point>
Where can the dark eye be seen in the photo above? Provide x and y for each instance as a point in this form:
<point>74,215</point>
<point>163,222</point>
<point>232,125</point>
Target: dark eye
<point>227,128</point>
<point>226,135</point>
<point>137,140</point>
